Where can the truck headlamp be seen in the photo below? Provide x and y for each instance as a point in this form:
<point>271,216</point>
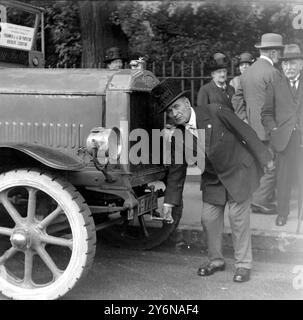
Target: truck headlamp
<point>105,144</point>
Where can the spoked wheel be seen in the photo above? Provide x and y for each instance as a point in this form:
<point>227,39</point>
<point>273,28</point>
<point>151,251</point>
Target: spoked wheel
<point>141,233</point>
<point>47,235</point>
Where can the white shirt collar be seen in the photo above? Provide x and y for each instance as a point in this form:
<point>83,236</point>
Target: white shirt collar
<point>266,58</point>
<point>220,86</point>
<point>297,77</point>
<point>192,120</point>
<point>295,81</point>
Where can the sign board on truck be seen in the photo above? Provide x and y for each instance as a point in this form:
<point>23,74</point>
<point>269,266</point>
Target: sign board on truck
<point>16,36</point>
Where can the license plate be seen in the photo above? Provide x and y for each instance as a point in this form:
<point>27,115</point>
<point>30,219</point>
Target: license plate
<point>147,203</point>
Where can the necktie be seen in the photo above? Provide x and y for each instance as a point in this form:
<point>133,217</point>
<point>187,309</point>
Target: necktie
<point>293,87</point>
<point>192,130</point>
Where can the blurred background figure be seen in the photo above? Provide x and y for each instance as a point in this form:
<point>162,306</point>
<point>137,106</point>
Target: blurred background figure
<point>217,90</point>
<point>282,117</point>
<point>243,62</point>
<point>248,102</point>
<point>114,58</point>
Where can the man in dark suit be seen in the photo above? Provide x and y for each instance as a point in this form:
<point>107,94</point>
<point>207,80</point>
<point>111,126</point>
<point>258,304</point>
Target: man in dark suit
<point>217,90</point>
<point>248,102</point>
<point>282,118</point>
<point>234,158</point>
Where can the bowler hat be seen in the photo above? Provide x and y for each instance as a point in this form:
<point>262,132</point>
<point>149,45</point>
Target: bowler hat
<point>113,54</point>
<point>292,51</point>
<point>167,92</point>
<point>270,40</point>
<point>245,57</point>
<point>217,61</point>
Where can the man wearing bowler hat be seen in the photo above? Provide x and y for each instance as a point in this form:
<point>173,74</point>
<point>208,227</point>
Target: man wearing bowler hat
<point>234,159</point>
<point>217,90</point>
<point>243,62</point>
<point>282,117</point>
<point>248,102</point>
<point>114,58</point>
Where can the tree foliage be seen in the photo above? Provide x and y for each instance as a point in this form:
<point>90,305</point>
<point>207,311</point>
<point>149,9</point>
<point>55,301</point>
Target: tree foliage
<point>188,32</point>
<point>172,30</point>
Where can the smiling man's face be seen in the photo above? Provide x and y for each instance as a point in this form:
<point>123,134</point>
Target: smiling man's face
<point>292,68</point>
<point>179,111</point>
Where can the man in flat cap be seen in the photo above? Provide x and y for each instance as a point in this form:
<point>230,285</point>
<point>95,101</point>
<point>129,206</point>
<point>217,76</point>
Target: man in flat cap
<point>282,117</point>
<point>234,162</point>
<point>248,102</point>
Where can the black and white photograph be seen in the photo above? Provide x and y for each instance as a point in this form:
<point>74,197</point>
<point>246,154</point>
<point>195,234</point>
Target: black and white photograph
<point>151,153</point>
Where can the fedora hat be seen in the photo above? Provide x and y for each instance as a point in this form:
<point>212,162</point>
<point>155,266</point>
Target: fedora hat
<point>292,51</point>
<point>270,40</point>
<point>113,53</point>
<point>217,61</point>
<point>167,92</point>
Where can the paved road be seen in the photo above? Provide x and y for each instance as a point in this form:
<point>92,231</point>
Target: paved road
<point>168,273</point>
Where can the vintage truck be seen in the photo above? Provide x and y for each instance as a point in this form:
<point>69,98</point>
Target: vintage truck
<point>65,174</point>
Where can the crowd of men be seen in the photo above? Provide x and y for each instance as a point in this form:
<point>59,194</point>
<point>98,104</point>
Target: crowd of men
<point>253,138</point>
<point>253,143</point>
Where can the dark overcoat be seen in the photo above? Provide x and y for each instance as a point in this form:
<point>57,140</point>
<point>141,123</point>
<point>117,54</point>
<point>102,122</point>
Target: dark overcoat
<point>282,110</point>
<point>234,159</point>
<point>211,93</point>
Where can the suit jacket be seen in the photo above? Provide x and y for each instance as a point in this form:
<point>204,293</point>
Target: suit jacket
<point>235,82</point>
<point>211,93</point>
<point>234,159</point>
<point>250,97</point>
<point>282,110</point>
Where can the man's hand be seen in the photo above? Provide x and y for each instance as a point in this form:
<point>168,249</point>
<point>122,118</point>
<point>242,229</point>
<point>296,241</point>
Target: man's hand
<point>270,166</point>
<point>167,213</point>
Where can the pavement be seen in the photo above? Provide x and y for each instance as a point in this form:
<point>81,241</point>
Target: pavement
<point>265,234</point>
<point>170,273</point>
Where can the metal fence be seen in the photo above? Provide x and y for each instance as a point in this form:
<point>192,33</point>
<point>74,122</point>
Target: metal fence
<point>191,74</point>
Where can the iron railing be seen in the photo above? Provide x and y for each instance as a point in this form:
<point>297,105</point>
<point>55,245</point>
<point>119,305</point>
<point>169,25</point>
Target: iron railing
<point>191,75</point>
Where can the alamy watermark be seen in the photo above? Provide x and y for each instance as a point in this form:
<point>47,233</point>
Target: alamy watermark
<point>297,21</point>
<point>167,146</point>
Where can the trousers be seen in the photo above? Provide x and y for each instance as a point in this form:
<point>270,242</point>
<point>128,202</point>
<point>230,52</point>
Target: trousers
<point>266,189</point>
<point>289,172</point>
<point>212,220</point>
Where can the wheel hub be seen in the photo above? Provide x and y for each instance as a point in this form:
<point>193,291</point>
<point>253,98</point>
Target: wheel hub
<point>20,239</point>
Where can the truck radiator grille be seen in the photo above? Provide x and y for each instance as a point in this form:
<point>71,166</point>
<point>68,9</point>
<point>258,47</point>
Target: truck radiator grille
<point>143,115</point>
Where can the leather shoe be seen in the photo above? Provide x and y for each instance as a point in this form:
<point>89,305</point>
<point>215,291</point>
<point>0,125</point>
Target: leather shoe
<point>242,275</point>
<point>210,269</point>
<point>258,208</point>
<point>281,221</point>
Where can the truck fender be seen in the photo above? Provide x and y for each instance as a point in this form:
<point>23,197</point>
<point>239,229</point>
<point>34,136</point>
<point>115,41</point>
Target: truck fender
<point>53,158</point>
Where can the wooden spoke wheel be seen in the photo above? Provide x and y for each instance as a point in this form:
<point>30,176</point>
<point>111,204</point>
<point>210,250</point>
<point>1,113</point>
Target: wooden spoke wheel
<point>47,235</point>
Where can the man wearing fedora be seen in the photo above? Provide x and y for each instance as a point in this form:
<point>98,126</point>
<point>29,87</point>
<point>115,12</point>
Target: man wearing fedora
<point>217,90</point>
<point>114,58</point>
<point>248,102</point>
<point>243,61</point>
<point>234,159</point>
<point>282,117</point>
